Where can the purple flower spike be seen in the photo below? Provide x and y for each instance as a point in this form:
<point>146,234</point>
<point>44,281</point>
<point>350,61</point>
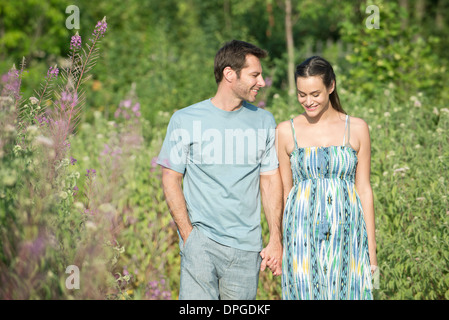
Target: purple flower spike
<point>53,72</point>
<point>75,43</point>
<point>100,28</point>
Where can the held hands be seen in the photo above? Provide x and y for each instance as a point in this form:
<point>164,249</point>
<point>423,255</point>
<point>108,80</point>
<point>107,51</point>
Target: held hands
<point>272,258</point>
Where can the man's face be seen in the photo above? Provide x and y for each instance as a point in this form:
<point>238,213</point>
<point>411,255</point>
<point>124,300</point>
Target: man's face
<point>250,81</point>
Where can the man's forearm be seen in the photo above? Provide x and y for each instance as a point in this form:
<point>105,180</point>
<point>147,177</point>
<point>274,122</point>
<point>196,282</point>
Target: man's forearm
<point>271,192</point>
<point>171,184</point>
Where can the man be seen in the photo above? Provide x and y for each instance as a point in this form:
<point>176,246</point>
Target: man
<point>218,159</point>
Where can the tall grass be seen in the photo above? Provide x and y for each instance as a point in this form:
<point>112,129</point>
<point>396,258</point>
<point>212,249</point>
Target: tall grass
<point>94,199</point>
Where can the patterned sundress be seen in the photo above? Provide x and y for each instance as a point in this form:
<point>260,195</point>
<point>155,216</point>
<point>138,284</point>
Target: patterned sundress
<point>325,241</point>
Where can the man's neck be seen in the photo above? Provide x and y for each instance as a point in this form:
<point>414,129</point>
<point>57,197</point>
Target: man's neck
<point>226,101</point>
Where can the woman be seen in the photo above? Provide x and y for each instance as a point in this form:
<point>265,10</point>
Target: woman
<point>324,159</point>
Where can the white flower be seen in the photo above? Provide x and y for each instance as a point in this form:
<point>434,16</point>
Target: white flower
<point>34,100</point>
<point>401,170</point>
<point>44,141</point>
<point>63,195</point>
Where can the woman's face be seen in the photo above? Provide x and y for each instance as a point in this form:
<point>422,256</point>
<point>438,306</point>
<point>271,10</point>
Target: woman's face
<point>313,94</point>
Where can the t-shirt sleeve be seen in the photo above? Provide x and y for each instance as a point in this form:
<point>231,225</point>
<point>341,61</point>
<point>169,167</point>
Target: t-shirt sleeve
<point>269,157</point>
<point>173,153</point>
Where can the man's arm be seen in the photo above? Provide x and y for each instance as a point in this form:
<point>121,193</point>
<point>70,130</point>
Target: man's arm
<point>172,186</point>
<point>271,192</point>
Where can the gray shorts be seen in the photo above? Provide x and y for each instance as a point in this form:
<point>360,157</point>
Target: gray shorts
<point>212,271</point>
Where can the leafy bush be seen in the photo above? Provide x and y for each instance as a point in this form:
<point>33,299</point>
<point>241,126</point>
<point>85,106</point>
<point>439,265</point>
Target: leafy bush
<point>94,199</point>
<point>395,54</point>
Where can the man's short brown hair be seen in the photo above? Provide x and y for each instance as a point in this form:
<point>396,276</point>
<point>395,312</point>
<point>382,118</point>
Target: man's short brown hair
<point>233,54</point>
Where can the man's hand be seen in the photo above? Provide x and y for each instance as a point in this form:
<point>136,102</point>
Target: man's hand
<point>272,258</point>
<point>271,192</point>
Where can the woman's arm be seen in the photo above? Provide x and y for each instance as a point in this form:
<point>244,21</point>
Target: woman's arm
<point>284,144</point>
<point>363,184</point>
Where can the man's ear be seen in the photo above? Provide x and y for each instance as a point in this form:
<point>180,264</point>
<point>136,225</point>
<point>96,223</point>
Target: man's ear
<point>229,74</point>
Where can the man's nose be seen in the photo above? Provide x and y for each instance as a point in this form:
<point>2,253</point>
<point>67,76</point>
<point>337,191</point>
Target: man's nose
<point>261,82</point>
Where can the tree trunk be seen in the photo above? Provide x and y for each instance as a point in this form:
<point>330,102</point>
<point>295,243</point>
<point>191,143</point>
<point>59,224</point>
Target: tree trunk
<point>404,22</point>
<point>290,47</point>
<point>270,19</point>
<point>439,19</point>
<point>227,16</point>
<point>420,6</point>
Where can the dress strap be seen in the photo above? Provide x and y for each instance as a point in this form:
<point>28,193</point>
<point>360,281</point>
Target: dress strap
<point>294,134</point>
<point>346,128</point>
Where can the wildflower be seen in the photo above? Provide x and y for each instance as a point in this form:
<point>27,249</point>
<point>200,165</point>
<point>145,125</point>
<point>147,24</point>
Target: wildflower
<point>72,160</point>
<point>268,82</point>
<point>75,190</point>
<point>52,72</point>
<point>91,225</point>
<point>126,103</point>
<point>11,82</point>
<point>44,141</point>
<point>75,42</point>
<point>63,195</point>
<point>106,149</point>
<point>154,162</point>
<point>34,100</point>
<point>67,100</point>
<point>261,104</point>
<point>91,173</point>
<point>125,271</point>
<point>401,170</point>
<point>100,28</point>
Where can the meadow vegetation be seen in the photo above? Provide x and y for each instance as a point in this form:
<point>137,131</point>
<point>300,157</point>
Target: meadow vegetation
<point>83,119</point>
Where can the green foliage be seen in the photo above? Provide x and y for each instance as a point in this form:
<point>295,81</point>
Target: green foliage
<point>409,179</point>
<point>116,227</point>
<point>30,27</point>
<point>397,53</point>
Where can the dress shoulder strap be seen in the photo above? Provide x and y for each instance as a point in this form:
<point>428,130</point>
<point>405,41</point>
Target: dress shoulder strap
<point>347,125</point>
<point>294,134</point>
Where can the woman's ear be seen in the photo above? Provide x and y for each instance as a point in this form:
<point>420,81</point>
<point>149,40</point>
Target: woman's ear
<point>332,87</point>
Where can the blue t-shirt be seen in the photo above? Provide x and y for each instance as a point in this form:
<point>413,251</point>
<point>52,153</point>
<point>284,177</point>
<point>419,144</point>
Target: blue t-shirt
<point>222,154</point>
